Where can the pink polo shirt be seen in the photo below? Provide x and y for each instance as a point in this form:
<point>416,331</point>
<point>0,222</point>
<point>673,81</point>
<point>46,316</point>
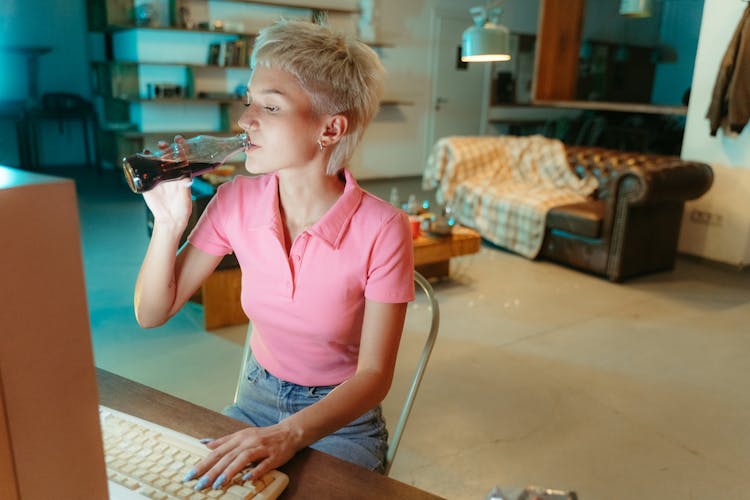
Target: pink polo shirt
<point>307,306</point>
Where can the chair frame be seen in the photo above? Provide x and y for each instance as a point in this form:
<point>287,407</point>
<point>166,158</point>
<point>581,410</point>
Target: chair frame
<point>416,378</point>
<point>60,106</point>
<point>418,373</point>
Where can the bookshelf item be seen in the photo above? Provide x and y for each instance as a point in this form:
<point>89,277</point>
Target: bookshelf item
<point>214,51</point>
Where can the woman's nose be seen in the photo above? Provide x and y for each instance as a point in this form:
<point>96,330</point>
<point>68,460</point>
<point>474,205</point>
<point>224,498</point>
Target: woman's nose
<point>247,118</point>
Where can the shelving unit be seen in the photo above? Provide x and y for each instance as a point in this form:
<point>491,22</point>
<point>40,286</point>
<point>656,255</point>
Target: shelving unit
<point>137,64</point>
<point>560,92</point>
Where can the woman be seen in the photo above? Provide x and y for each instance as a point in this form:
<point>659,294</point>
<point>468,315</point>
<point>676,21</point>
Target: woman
<point>327,269</point>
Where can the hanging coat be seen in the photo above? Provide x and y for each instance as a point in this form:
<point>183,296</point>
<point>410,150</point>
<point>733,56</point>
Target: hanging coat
<point>730,102</point>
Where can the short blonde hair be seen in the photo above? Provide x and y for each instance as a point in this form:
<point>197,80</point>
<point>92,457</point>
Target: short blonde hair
<point>341,75</point>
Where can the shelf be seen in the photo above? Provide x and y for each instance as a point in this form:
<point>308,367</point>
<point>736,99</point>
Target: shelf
<point>396,102</point>
<point>293,5</point>
<point>624,107</point>
<point>518,122</point>
<point>159,63</point>
<point>192,100</point>
<point>115,28</point>
<point>136,134</point>
<point>186,100</point>
<point>249,34</point>
<point>379,45</point>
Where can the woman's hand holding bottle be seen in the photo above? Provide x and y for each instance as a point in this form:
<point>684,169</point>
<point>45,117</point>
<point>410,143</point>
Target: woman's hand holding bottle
<point>171,202</point>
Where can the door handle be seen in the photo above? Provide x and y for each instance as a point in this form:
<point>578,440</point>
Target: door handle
<point>439,101</point>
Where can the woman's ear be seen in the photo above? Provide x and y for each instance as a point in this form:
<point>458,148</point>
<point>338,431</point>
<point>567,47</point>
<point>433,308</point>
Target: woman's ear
<point>335,128</point>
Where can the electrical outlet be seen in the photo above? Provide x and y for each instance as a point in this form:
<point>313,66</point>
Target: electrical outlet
<point>706,218</point>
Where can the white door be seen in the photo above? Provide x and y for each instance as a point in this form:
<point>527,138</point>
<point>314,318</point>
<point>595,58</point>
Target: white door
<point>458,94</point>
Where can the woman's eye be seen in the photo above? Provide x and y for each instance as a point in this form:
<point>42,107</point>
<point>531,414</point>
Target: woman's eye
<point>272,109</point>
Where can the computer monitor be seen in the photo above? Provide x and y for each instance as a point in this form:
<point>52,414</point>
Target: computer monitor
<point>50,438</point>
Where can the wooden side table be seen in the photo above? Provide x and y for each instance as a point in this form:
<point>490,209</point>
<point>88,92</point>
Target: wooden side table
<point>220,293</point>
<point>432,254</point>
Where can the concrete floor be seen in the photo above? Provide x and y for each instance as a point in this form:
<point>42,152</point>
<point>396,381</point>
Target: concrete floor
<point>541,374</point>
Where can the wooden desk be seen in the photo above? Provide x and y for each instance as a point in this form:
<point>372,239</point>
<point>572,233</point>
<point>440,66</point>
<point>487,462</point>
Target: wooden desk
<point>312,474</point>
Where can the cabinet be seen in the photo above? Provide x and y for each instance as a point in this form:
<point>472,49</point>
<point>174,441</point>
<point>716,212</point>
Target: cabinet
<point>509,93</point>
<point>180,66</point>
<point>573,70</point>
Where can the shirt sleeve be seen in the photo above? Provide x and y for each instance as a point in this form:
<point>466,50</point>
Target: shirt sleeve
<point>209,233</point>
<point>391,272</point>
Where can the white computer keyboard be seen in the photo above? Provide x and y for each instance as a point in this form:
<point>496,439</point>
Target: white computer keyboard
<point>146,460</point>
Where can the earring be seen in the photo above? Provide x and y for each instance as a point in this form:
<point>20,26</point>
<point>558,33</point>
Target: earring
<point>320,145</point>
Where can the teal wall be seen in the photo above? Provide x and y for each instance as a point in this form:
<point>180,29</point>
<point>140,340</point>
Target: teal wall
<point>60,25</point>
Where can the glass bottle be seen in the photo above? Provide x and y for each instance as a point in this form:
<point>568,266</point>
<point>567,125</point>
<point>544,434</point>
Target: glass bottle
<point>188,158</point>
<point>412,206</point>
<point>395,199</point>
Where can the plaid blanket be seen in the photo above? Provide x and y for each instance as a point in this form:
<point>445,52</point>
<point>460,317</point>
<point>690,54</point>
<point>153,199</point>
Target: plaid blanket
<point>504,186</point>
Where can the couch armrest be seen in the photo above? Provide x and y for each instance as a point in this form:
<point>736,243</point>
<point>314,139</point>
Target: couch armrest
<point>645,209</point>
<point>642,178</point>
<point>663,181</point>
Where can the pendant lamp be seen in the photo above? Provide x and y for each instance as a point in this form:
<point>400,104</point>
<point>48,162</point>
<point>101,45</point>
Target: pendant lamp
<point>636,8</point>
<point>487,40</point>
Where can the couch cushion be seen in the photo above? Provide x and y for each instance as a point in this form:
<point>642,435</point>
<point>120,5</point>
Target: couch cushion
<point>582,219</point>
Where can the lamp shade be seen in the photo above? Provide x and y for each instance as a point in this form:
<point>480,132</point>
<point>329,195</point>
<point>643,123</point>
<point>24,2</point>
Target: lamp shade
<point>490,42</point>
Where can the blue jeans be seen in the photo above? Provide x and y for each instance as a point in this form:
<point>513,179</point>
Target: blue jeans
<point>265,400</point>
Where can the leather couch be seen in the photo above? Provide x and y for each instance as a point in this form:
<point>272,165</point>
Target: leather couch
<point>631,223</point>
<point>628,227</point>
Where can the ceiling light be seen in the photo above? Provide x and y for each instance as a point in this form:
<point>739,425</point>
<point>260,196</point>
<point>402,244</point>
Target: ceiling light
<point>487,40</point>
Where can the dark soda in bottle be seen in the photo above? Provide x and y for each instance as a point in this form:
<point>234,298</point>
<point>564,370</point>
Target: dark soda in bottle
<point>188,158</point>
<point>143,172</point>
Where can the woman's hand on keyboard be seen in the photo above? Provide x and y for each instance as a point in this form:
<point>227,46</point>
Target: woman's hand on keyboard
<point>267,447</point>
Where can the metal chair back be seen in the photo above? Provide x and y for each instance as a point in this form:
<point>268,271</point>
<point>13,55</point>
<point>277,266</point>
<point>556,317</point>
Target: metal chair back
<point>418,372</point>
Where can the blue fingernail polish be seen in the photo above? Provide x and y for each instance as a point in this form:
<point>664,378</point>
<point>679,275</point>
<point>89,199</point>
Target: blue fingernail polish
<point>219,481</point>
<point>202,483</point>
<point>247,476</point>
<point>190,475</point>
<point>206,440</point>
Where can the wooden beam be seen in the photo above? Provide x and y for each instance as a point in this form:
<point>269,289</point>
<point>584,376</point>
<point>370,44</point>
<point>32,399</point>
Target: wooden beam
<point>558,43</point>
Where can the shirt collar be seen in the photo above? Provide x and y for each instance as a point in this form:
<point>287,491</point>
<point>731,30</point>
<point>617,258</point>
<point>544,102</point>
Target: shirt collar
<point>330,228</point>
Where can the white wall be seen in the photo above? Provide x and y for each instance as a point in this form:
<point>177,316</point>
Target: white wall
<point>396,144</point>
<point>393,145</point>
<point>717,226</point>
